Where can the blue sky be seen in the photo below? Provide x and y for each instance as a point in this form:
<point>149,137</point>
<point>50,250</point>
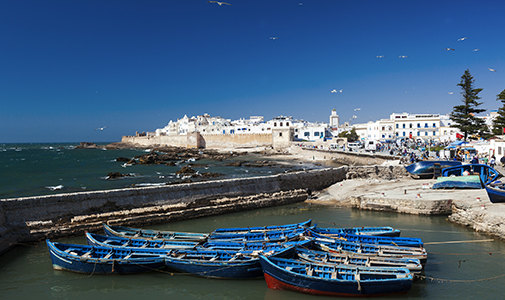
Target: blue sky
<point>68,67</point>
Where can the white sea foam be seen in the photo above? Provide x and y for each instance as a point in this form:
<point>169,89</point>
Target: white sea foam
<point>54,188</point>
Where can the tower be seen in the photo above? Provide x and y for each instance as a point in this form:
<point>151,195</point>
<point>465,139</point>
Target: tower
<point>334,118</point>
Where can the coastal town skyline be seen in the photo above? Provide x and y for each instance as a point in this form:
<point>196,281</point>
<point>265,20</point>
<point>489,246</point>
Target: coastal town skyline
<point>93,71</point>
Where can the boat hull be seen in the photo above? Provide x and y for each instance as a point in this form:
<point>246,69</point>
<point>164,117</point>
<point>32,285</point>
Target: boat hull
<point>426,167</point>
<point>458,182</point>
<point>282,279</point>
<point>496,195</point>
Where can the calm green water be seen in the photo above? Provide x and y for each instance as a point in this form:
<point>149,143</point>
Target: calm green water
<point>34,169</point>
<point>26,272</point>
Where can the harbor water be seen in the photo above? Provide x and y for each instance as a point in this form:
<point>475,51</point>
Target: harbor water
<point>462,270</point>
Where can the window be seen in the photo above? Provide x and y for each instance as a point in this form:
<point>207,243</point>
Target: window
<point>316,133</point>
<point>426,133</point>
<point>306,133</point>
<point>287,123</point>
<point>499,150</point>
<point>397,126</point>
<point>404,133</point>
<point>280,133</point>
<point>418,125</point>
<point>418,133</point>
<point>425,125</point>
<point>404,125</point>
<point>434,125</point>
<point>280,124</point>
<point>410,125</point>
<point>275,124</point>
<point>434,133</point>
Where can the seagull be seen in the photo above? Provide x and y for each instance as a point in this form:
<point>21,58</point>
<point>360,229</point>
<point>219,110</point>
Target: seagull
<point>403,56</point>
<point>449,49</point>
<point>335,91</point>
<point>477,49</point>
<point>274,38</point>
<point>492,70</point>
<point>101,128</point>
<point>357,109</point>
<point>462,39</point>
<point>380,56</point>
<point>450,93</point>
<point>220,3</point>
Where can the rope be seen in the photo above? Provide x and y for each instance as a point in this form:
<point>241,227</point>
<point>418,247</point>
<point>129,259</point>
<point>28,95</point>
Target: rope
<point>443,280</point>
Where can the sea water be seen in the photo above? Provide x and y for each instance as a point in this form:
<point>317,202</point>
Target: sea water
<point>463,270</point>
<point>44,169</point>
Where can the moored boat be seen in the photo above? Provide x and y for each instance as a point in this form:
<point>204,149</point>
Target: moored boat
<point>426,168</point>
<point>129,232</point>
<point>373,231</point>
<point>339,246</point>
<point>116,241</point>
<point>253,246</point>
<point>458,182</point>
<point>414,265</point>
<point>333,280</point>
<point>331,233</point>
<point>267,236</point>
<point>486,173</point>
<point>243,230</point>
<point>223,264</point>
<point>104,260</point>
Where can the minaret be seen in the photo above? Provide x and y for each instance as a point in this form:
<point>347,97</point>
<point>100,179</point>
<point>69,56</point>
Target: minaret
<point>334,118</point>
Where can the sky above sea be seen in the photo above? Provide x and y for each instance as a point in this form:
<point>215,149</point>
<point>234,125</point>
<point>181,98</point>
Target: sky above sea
<point>72,68</point>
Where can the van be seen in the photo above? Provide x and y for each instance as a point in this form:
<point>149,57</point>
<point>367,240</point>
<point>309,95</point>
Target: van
<point>371,146</point>
<point>354,145</point>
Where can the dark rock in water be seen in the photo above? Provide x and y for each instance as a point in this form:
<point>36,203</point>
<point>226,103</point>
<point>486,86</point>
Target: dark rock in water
<point>123,159</point>
<point>115,175</point>
<point>235,164</point>
<point>87,145</point>
<point>185,171</point>
<point>210,175</point>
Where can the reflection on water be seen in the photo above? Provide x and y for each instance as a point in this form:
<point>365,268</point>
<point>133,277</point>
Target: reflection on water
<point>26,272</point>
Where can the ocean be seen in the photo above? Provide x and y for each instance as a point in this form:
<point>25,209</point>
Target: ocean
<point>44,169</point>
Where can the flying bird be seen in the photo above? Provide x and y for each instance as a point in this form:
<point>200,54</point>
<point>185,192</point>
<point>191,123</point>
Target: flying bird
<point>403,56</point>
<point>492,70</point>
<point>274,38</point>
<point>101,128</point>
<point>449,49</point>
<point>339,91</point>
<point>220,3</point>
<point>477,49</point>
<point>380,56</point>
<point>450,93</point>
<point>462,39</point>
<point>357,109</point>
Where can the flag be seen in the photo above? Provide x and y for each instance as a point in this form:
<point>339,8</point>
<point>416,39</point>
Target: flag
<point>503,130</point>
<point>459,136</point>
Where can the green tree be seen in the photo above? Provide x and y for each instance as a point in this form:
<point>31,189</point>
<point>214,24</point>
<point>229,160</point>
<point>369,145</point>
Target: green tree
<point>464,116</point>
<point>499,121</point>
<point>351,135</point>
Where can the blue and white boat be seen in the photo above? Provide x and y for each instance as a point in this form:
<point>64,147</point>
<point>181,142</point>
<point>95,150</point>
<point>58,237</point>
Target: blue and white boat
<point>116,241</point>
<point>221,264</point>
<point>486,173</point>
<point>104,260</point>
<point>372,231</point>
<point>243,230</point>
<point>414,265</point>
<point>267,236</point>
<point>426,168</point>
<point>129,232</point>
<point>330,233</point>
<point>333,280</point>
<point>496,192</point>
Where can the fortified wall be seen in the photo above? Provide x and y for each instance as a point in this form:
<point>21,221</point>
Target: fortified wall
<point>31,219</point>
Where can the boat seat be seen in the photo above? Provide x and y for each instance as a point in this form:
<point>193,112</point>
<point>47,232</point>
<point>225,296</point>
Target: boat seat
<point>87,254</point>
<point>128,256</point>
<point>309,271</point>
<point>108,255</point>
<point>214,258</point>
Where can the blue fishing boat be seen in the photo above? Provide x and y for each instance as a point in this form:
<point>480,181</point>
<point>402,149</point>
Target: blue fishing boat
<point>267,236</point>
<point>128,232</point>
<point>330,233</point>
<point>486,173</point>
<point>116,241</point>
<point>104,260</point>
<point>252,246</point>
<point>333,280</point>
<point>414,265</point>
<point>373,231</point>
<point>458,182</point>
<point>339,246</point>
<point>243,230</point>
<point>496,192</point>
<point>221,264</point>
<point>426,168</point>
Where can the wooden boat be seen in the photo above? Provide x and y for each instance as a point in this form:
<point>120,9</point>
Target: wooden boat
<point>128,232</point>
<point>414,265</point>
<point>333,280</point>
<point>252,246</point>
<point>496,192</point>
<point>116,241</point>
<point>365,239</point>
<point>426,168</point>
<point>104,260</point>
<point>243,230</point>
<point>459,182</point>
<point>486,173</point>
<point>267,236</point>
<point>338,246</point>
<point>222,264</point>
<point>373,231</point>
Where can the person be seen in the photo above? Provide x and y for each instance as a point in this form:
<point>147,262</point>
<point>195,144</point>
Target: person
<point>492,162</point>
<point>502,160</point>
<point>475,160</point>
